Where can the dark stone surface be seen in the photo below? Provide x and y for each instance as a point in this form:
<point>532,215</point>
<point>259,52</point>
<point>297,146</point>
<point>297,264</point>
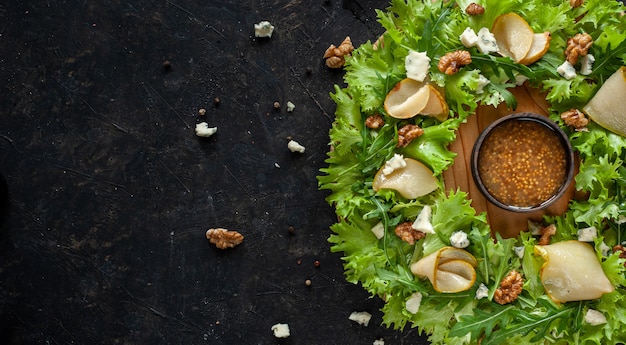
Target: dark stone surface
<point>110,191</point>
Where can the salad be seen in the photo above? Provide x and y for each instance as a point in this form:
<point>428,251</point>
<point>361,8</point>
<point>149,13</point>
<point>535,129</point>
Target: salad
<point>469,308</point>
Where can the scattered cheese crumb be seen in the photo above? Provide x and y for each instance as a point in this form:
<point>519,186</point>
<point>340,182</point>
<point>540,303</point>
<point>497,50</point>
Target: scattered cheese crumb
<point>604,249</point>
<point>263,29</point>
<point>482,291</point>
<point>520,79</point>
<point>519,251</point>
<point>586,64</point>
<point>294,146</point>
<point>459,239</point>
<point>290,106</point>
<point>380,341</point>
<point>487,43</point>
<point>203,130</point>
<point>587,234</point>
<point>469,38</point>
<point>281,330</point>
<point>534,228</point>
<point>482,82</point>
<point>361,317</point>
<point>413,303</point>
<point>422,222</point>
<point>396,162</point>
<point>416,65</point>
<point>379,230</point>
<point>594,317</point>
<point>566,70</point>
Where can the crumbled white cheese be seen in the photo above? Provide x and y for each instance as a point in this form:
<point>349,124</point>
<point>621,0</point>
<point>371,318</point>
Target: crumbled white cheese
<point>203,130</point>
<point>594,317</point>
<point>263,29</point>
<point>587,234</point>
<point>379,230</point>
<point>469,38</point>
<point>586,64</point>
<point>422,222</point>
<point>396,162</point>
<point>417,65</point>
<point>459,239</point>
<point>520,79</point>
<point>294,146</point>
<point>621,219</point>
<point>361,317</point>
<point>604,249</point>
<point>380,341</point>
<point>281,330</point>
<point>519,251</point>
<point>482,291</point>
<point>482,82</point>
<point>534,228</point>
<point>566,70</point>
<point>487,43</point>
<point>413,303</point>
<point>290,106</point>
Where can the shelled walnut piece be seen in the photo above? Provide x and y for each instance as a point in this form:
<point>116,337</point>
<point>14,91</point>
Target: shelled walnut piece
<point>510,288</point>
<point>336,56</point>
<point>407,133</point>
<point>407,234</point>
<point>374,121</point>
<point>452,62</point>
<point>577,46</point>
<point>576,3</point>
<point>546,234</point>
<point>474,9</point>
<point>622,251</point>
<point>223,238</point>
<point>576,119</point>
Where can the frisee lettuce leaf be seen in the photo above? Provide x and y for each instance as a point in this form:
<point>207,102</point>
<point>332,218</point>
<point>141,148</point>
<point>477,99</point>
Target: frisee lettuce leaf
<point>382,266</point>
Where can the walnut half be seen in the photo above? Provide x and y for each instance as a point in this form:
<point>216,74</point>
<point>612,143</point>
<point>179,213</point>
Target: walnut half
<point>577,46</point>
<point>336,56</point>
<point>407,133</point>
<point>510,288</point>
<point>575,119</point>
<point>452,62</point>
<point>223,238</point>
<point>474,9</point>
<point>406,233</point>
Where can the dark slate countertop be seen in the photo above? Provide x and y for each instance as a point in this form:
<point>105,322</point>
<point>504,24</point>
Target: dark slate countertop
<point>110,192</point>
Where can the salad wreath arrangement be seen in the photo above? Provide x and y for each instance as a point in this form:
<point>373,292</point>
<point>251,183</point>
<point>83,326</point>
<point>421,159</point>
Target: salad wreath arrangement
<point>436,262</point>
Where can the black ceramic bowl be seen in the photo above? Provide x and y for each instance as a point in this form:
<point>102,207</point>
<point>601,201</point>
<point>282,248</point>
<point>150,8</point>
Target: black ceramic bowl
<point>522,162</point>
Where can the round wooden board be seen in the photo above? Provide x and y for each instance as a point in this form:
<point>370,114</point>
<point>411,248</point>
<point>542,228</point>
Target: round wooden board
<point>459,176</point>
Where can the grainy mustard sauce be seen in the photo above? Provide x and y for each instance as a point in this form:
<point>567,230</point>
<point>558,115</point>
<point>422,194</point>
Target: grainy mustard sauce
<point>522,163</point>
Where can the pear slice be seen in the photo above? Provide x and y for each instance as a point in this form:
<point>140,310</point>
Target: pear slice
<point>608,106</point>
<point>513,35</point>
<point>452,253</point>
<point>407,99</point>
<point>437,106</point>
<point>454,276</point>
<point>540,46</point>
<point>449,269</point>
<point>412,181</point>
<point>572,272</point>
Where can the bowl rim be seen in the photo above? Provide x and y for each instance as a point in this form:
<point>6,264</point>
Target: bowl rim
<point>524,116</point>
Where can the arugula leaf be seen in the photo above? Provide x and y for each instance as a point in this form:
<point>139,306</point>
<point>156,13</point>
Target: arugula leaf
<point>483,322</point>
<point>522,322</point>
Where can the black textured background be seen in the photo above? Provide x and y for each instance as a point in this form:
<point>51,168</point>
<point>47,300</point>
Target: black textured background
<point>111,192</point>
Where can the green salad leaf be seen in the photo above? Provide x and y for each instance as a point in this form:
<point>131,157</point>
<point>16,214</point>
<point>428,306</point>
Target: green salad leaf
<point>364,233</point>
